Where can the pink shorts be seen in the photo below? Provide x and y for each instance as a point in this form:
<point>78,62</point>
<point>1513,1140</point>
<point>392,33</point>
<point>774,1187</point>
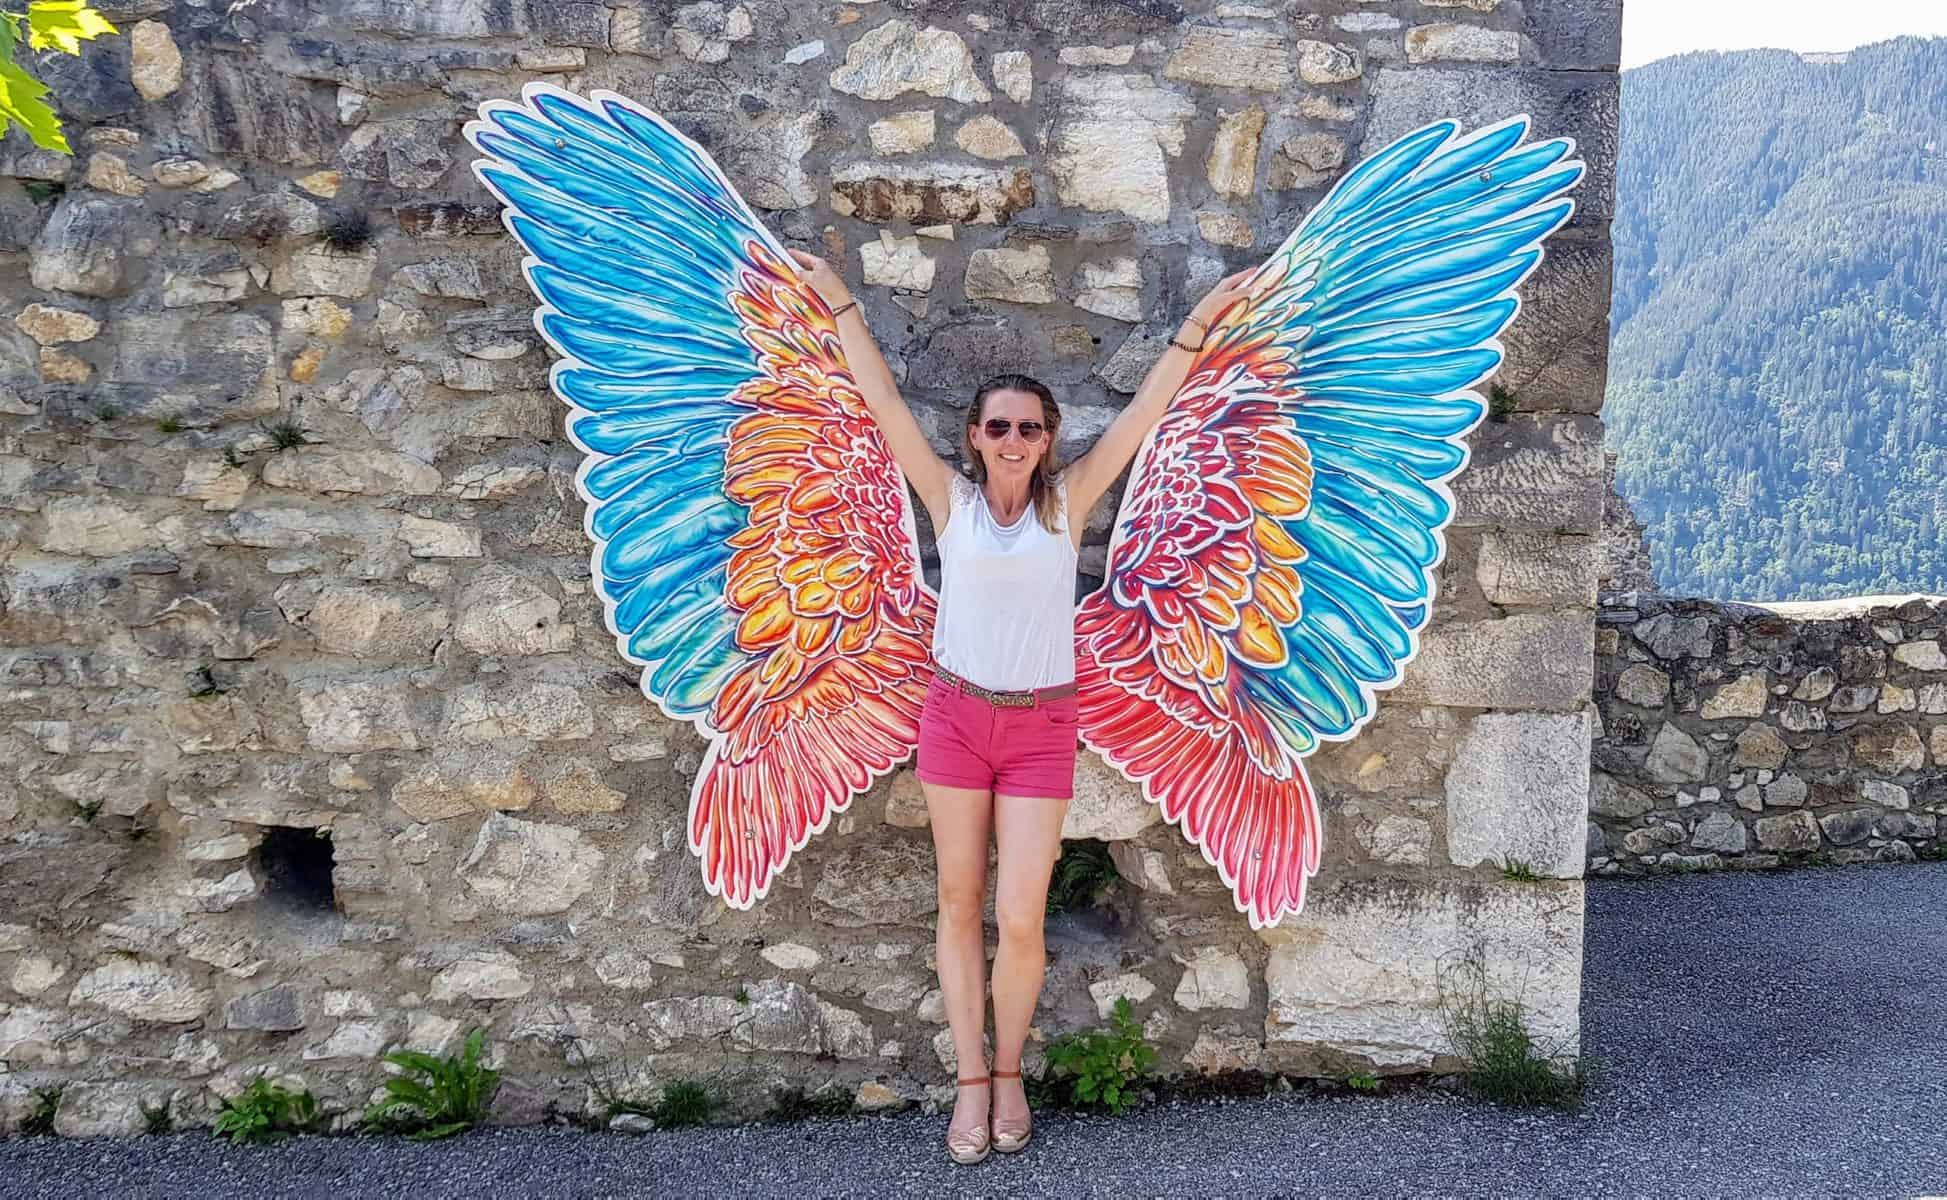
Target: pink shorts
<point>1029,750</point>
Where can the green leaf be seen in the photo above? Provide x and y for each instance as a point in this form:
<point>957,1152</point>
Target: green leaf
<point>7,37</point>
<point>21,103</point>
<point>64,24</point>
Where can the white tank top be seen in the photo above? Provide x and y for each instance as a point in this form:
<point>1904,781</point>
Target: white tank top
<point>1007,595</point>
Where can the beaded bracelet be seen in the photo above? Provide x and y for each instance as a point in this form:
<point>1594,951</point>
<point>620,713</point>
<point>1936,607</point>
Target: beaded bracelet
<point>1181,346</point>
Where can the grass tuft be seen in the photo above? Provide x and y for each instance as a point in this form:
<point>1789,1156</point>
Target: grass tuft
<point>156,1118</point>
<point>286,434</point>
<point>1500,403</point>
<point>1504,1062</point>
<point>1520,871</point>
<point>348,230</point>
<point>685,1102</point>
<point>39,1121</point>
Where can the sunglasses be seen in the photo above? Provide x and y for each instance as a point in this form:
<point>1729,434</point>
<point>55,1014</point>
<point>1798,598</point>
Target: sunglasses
<point>996,428</point>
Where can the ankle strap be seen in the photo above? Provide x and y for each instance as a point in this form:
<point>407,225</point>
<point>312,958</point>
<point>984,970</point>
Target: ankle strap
<point>970,1082</point>
<point>999,1074</point>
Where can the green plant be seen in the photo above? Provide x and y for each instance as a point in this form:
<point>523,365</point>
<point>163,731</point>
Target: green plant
<point>685,1102</point>
<point>1500,403</point>
<point>41,191</point>
<point>267,1112</point>
<point>1362,1081</point>
<point>347,229</point>
<point>1103,1068</point>
<point>435,1097</point>
<point>1082,873</point>
<point>1504,1062</point>
<point>202,683</point>
<point>46,25</point>
<point>106,412</point>
<point>1520,871</point>
<point>156,1118</point>
<point>89,809</point>
<point>286,434</point>
<point>743,995</point>
<point>791,1104</point>
<point>169,425</point>
<point>39,1120</point>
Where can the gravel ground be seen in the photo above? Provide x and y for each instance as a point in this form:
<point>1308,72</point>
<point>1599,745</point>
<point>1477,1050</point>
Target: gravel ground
<point>1774,1034</point>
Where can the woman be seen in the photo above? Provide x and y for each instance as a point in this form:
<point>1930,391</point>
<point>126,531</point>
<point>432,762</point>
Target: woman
<point>997,735</point>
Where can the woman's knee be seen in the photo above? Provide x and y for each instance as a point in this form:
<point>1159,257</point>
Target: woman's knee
<point>1020,919</point>
<point>962,900</point>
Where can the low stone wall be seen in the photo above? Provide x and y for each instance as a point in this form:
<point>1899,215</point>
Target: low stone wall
<point>1739,735</point>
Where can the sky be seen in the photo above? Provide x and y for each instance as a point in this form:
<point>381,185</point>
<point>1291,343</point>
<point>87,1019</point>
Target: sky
<point>1654,29</point>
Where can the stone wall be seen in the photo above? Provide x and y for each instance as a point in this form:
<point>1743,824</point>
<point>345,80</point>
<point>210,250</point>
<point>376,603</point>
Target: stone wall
<point>1737,735</point>
<point>314,743</point>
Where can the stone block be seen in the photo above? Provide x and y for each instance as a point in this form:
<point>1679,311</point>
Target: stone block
<point>1519,789</point>
<point>898,57</point>
<point>1534,473</point>
<point>350,715</point>
<point>1538,569</point>
<point>530,868</point>
<point>90,246</point>
<point>1556,352</point>
<point>879,883</point>
<point>1256,60</point>
<point>1574,35</point>
<point>1579,104</point>
<point>1793,832</point>
<point>1106,807</point>
<point>987,137</point>
<point>1675,757</point>
<point>232,108</point>
<point>142,990</point>
<point>1231,166</point>
<point>932,193</point>
<point>1356,978</point>
<point>1109,141</point>
<point>1531,661</point>
<point>903,133</point>
<point>1743,697</point>
<point>1643,685</point>
<point>1018,276</point>
<point>98,1110</point>
<point>1213,977</point>
<point>1720,832</point>
<point>518,709</point>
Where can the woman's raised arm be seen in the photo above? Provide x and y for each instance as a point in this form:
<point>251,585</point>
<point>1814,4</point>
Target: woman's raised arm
<point>926,471</point>
<point>1091,474</point>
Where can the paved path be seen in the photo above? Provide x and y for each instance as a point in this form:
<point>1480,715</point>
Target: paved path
<point>1768,1034</point>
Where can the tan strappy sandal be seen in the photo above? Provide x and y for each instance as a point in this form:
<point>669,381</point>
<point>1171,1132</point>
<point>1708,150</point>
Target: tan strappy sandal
<point>1008,1138</point>
<point>969,1146</point>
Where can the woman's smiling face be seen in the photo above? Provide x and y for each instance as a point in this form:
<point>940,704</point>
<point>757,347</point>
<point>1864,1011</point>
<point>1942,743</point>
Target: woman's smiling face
<point>1010,456</point>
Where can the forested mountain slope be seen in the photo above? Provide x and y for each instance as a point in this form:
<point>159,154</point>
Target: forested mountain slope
<point>1779,366</point>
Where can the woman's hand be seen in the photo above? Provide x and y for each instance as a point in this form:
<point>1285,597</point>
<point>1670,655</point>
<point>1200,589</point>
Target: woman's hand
<point>1229,290</point>
<point>823,280</point>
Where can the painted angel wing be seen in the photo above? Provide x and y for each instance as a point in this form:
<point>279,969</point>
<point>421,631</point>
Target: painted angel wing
<point>753,546</point>
<point>1273,559</point>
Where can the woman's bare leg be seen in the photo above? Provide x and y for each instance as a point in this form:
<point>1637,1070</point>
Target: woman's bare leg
<point>1028,831</point>
<point>962,821</point>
